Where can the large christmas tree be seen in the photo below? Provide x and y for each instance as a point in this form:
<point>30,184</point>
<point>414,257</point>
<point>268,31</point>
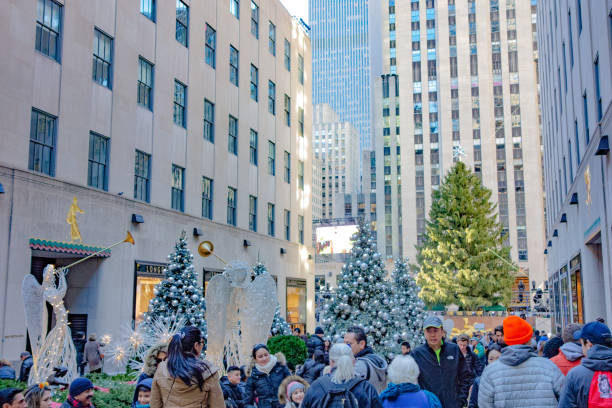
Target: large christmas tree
<point>363,297</point>
<point>279,325</point>
<point>408,314</point>
<point>462,259</point>
<point>178,295</point>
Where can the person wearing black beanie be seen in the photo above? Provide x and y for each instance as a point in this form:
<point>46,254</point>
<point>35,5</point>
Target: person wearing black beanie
<point>80,394</point>
<point>551,348</point>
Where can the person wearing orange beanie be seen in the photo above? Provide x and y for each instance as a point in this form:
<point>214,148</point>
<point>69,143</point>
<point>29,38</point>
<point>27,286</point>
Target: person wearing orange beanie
<point>511,379</point>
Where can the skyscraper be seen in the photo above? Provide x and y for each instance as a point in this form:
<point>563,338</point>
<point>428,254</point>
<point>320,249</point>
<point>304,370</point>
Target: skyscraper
<point>345,57</point>
<point>461,77</point>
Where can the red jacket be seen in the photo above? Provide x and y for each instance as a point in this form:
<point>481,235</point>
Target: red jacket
<point>574,351</point>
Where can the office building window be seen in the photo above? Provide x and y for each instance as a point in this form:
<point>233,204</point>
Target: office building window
<point>211,46</point>
<point>145,83</point>
<point>232,140</point>
<point>254,19</point>
<point>253,148</point>
<point>178,188</point>
<point>271,158</point>
<point>272,38</point>
<point>207,198</point>
<point>579,16</point>
<point>287,219</point>
<point>301,175</point>
<point>231,206</point>
<point>271,97</point>
<point>585,109</point>
<point>97,169</point>
<point>287,169</point>
<point>301,122</point>
<point>43,128</point>
<point>598,90</point>
<point>287,56</point>
<point>301,69</point>
<point>235,8</point>
<point>182,22</point>
<point>253,213</point>
<point>147,8</point>
<point>48,28</point>
<point>287,109</point>
<point>271,219</point>
<point>233,65</point>
<point>142,176</point>
<point>301,229</point>
<point>209,121</point>
<point>254,82</point>
<point>102,58</point>
<point>180,103</point>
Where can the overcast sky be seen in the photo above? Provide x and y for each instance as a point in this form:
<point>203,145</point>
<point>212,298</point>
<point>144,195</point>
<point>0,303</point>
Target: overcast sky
<point>297,8</point>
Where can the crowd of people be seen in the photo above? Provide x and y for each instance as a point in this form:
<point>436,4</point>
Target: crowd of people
<point>512,367</point>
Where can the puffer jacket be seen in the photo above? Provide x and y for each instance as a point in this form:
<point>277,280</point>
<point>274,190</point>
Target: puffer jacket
<point>311,370</point>
<point>7,373</point>
<point>149,365</point>
<point>569,357</point>
<point>24,370</point>
<point>264,387</point>
<point>171,392</point>
<point>372,367</point>
<point>314,343</point>
<point>366,394</point>
<point>520,379</point>
<point>578,383</point>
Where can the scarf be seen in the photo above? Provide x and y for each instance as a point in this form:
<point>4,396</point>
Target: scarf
<point>268,367</point>
<point>77,404</point>
<point>394,390</point>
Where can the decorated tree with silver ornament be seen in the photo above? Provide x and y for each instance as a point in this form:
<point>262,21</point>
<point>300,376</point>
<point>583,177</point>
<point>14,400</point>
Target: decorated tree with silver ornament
<point>178,296</point>
<point>363,297</point>
<point>279,325</point>
<point>407,312</point>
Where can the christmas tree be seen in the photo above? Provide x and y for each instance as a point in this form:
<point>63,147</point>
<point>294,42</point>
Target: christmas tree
<point>363,297</point>
<point>408,314</point>
<point>462,259</point>
<point>178,296</point>
<point>279,325</point>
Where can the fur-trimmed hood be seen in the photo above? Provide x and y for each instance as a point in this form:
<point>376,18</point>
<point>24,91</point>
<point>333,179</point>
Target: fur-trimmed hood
<point>282,389</point>
<point>150,364</point>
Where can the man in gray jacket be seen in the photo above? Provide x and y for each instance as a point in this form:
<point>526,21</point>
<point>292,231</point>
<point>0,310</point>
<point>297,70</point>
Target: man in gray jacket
<point>368,365</point>
<point>519,378</point>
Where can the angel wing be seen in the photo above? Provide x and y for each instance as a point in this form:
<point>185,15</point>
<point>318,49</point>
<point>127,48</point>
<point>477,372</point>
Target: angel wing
<point>34,305</point>
<point>217,300</point>
<point>256,307</point>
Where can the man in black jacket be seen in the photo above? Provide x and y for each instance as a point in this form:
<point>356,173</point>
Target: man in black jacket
<point>315,342</point>
<point>443,368</point>
<point>471,360</point>
<point>231,386</point>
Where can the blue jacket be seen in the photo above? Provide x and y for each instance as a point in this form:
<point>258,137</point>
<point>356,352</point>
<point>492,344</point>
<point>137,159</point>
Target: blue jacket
<point>264,387</point>
<point>449,379</point>
<point>7,373</point>
<point>24,371</point>
<point>366,394</point>
<point>408,395</point>
<point>146,383</point>
<point>578,380</point>
<point>232,393</point>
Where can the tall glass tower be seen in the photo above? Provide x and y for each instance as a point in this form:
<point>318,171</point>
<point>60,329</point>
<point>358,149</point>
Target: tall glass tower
<point>345,38</point>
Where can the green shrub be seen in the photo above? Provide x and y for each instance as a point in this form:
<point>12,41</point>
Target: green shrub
<point>292,347</point>
<point>12,384</point>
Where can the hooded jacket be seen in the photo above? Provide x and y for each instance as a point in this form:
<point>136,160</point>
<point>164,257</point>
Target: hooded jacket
<point>146,383</point>
<point>578,383</point>
<point>570,355</point>
<point>282,389</point>
<point>232,393</point>
<point>264,387</point>
<point>519,378</point>
<point>372,367</point>
<point>171,392</point>
<point>366,394</point>
<point>311,370</point>
<point>315,343</point>
<point>149,366</point>
<point>449,379</point>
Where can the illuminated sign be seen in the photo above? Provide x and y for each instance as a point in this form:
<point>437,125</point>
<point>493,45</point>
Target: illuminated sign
<point>335,240</point>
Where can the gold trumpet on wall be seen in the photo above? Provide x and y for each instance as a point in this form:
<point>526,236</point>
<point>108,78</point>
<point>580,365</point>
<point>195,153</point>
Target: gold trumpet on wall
<point>206,249</point>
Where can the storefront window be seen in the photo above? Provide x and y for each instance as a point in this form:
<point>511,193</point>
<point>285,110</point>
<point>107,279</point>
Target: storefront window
<point>148,274</point>
<point>557,309</point>
<point>565,306</point>
<point>577,302</point>
<point>296,303</point>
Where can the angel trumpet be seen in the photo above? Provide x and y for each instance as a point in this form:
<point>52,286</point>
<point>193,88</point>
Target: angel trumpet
<point>206,249</point>
<point>128,238</point>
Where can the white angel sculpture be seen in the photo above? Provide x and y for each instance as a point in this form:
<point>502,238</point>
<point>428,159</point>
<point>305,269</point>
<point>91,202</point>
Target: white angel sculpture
<point>239,313</point>
<point>56,348</point>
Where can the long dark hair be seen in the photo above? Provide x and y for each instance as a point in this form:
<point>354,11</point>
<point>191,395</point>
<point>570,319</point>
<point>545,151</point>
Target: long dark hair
<point>182,361</point>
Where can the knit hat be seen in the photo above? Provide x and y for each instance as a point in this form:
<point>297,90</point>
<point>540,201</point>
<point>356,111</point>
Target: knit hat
<point>551,348</point>
<point>319,330</point>
<point>80,385</point>
<point>516,331</point>
<point>293,387</point>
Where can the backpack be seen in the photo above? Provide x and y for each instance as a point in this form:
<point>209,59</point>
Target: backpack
<point>600,392</point>
<point>338,395</point>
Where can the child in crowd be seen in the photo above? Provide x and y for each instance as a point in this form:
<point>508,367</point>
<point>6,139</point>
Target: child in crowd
<point>292,390</point>
<point>232,388</point>
<point>142,394</point>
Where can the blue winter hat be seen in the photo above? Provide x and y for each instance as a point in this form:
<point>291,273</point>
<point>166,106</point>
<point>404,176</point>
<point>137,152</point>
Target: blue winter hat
<point>319,330</point>
<point>595,332</point>
<point>80,385</point>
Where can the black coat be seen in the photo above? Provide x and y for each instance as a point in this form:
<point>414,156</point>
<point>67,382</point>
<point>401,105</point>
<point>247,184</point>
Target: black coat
<point>315,343</point>
<point>264,387</point>
<point>449,379</point>
<point>311,370</point>
<point>24,371</point>
<point>365,393</point>
<point>475,364</point>
<point>232,393</point>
